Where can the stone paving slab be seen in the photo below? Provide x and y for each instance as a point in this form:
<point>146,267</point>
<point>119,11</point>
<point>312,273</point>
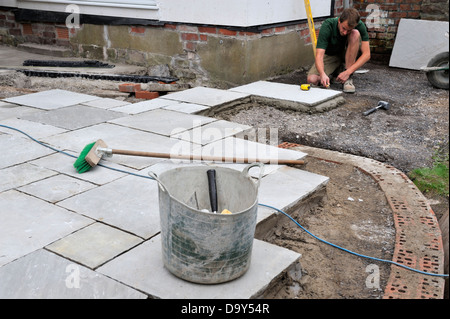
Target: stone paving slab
<point>45,275</point>
<point>143,268</point>
<point>145,106</point>
<point>106,103</point>
<point>206,96</point>
<point>35,129</point>
<point>52,99</point>
<point>94,245</point>
<point>189,108</point>
<point>9,110</point>
<point>22,174</point>
<point>29,223</point>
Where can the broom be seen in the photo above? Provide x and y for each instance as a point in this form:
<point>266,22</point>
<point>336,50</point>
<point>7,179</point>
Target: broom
<point>92,153</point>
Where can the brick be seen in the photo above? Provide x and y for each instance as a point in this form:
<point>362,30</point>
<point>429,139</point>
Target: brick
<point>189,37</point>
<point>27,29</point>
<point>139,30</point>
<point>129,87</point>
<point>62,33</point>
<point>147,95</point>
<point>227,32</point>
<point>210,30</point>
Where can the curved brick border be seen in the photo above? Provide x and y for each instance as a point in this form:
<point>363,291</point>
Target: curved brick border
<point>418,241</point>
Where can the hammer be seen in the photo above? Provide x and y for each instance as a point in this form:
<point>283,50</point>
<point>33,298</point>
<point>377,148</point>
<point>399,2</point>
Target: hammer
<point>381,105</point>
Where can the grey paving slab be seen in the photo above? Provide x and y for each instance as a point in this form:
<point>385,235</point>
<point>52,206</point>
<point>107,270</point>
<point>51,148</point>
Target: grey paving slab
<point>145,106</point>
<point>142,268</point>
<point>74,117</point>
<point>51,99</point>
<point>45,275</point>
<point>417,42</point>
<point>22,174</point>
<point>287,92</point>
<point>287,186</point>
<point>118,137</point>
<point>189,108</point>
<point>94,245</point>
<point>212,132</point>
<point>106,103</point>
<point>163,122</point>
<point>64,164</point>
<point>206,96</point>
<point>129,203</point>
<point>29,223</point>
<point>9,110</point>
<point>17,150</point>
<point>56,188</point>
<point>35,129</point>
<point>240,148</point>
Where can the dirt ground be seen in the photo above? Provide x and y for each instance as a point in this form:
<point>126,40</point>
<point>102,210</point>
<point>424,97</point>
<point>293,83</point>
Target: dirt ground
<point>354,213</point>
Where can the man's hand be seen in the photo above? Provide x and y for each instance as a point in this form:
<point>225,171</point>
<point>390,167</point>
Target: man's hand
<point>343,76</point>
<point>325,80</point>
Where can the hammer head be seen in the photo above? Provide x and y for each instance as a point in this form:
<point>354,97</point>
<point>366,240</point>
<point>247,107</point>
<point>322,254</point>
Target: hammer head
<point>384,105</point>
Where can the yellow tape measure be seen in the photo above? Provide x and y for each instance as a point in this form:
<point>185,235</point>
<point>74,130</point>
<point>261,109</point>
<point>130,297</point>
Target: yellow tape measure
<point>305,87</point>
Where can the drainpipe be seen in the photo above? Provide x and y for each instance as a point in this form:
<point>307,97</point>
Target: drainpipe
<point>346,4</point>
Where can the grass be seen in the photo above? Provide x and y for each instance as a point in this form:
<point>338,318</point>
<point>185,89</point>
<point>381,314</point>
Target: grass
<point>435,179</point>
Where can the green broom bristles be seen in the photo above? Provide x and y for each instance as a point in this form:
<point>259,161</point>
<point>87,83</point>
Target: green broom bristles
<point>80,164</point>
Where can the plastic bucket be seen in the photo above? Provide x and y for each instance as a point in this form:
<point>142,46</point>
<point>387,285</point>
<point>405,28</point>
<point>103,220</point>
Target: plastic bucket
<point>204,247</point>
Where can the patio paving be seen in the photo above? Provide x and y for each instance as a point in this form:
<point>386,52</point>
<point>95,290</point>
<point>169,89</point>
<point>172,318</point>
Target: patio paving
<point>97,234</point>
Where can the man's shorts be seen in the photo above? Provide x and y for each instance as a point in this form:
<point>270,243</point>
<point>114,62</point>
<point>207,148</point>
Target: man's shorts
<point>331,63</point>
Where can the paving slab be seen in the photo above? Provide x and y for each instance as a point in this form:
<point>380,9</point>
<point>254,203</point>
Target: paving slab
<point>22,174</point>
<point>206,96</point>
<point>74,117</point>
<point>106,103</point>
<point>119,137</point>
<point>94,245</point>
<point>288,186</point>
<point>29,223</point>
<point>45,275</point>
<point>145,106</point>
<point>143,268</point>
<point>9,110</point>
<point>189,108</point>
<point>291,96</point>
<point>212,132</point>
<point>163,122</point>
<point>51,99</point>
<point>56,188</point>
<point>35,129</point>
<point>417,42</point>
<point>16,150</point>
<point>129,203</point>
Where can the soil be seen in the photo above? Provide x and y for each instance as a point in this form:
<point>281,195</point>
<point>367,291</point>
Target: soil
<point>354,213</point>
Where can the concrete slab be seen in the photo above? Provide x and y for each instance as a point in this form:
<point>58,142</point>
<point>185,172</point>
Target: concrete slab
<point>206,96</point>
<point>118,137</point>
<point>129,203</point>
<point>106,103</point>
<point>288,186</point>
<point>22,174</point>
<point>290,96</point>
<point>145,106</point>
<point>45,275</point>
<point>163,122</point>
<point>189,108</point>
<point>29,223</point>
<point>17,150</point>
<point>56,188</point>
<point>94,245</point>
<point>52,99</point>
<point>35,129</point>
<point>74,117</point>
<point>9,110</point>
<point>417,42</point>
<point>213,132</point>
<point>143,268</point>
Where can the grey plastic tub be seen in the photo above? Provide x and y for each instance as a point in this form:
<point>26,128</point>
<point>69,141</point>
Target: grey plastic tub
<point>204,247</point>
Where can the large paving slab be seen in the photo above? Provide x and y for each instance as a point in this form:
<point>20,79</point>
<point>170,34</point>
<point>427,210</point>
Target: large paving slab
<point>45,275</point>
<point>74,117</point>
<point>32,128</point>
<point>52,99</point>
<point>145,106</point>
<point>129,203</point>
<point>417,42</point>
<point>29,223</point>
<point>206,96</point>
<point>22,174</point>
<point>143,268</point>
<point>291,97</point>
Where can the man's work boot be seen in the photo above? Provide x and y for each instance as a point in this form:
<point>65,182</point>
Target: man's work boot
<point>349,87</point>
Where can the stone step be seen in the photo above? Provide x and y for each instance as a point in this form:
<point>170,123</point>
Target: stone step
<point>45,49</point>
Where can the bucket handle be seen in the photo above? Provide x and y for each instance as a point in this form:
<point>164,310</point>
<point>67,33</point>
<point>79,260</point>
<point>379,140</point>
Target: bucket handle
<point>160,184</point>
<point>261,171</point>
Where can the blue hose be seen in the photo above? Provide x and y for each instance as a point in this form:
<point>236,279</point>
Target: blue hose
<point>279,210</point>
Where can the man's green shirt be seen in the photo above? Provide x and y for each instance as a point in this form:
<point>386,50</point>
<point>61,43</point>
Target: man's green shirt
<point>331,40</point>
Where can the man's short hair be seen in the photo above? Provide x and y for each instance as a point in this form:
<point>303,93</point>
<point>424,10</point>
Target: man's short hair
<point>350,15</point>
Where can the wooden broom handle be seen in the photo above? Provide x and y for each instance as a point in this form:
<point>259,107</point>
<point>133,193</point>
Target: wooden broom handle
<point>205,158</point>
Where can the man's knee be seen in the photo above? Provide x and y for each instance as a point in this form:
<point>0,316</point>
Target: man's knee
<point>354,37</point>
<point>313,79</point>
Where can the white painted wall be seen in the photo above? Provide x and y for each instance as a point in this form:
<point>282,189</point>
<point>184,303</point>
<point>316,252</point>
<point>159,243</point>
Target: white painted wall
<point>240,13</point>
